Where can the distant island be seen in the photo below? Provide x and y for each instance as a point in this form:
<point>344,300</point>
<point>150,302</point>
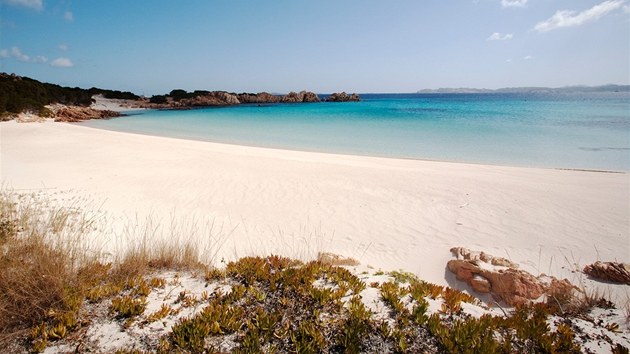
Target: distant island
<point>23,95</point>
<point>567,89</point>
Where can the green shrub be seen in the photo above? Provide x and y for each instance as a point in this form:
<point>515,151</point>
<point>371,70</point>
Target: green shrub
<point>127,306</point>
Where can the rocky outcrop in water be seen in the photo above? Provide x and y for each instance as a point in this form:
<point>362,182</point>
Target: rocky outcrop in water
<point>185,100</point>
<point>302,97</point>
<point>343,97</point>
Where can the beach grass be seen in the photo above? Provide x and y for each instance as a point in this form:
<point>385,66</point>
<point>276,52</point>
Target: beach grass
<point>49,269</point>
<point>50,279</point>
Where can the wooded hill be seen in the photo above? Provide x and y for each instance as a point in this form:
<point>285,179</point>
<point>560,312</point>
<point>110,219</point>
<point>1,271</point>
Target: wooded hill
<point>20,94</point>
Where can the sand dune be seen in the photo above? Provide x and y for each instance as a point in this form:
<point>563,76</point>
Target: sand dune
<point>388,213</point>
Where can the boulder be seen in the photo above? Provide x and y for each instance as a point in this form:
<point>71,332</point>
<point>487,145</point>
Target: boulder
<point>463,270</point>
<point>480,284</point>
<point>501,278</point>
<point>476,257</point>
<point>78,114</point>
<point>515,287</point>
<point>613,272</point>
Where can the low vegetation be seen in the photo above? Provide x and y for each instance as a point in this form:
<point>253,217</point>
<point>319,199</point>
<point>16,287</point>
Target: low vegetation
<point>51,293</point>
<point>19,94</point>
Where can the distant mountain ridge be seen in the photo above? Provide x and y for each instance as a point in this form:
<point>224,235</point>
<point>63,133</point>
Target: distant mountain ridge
<point>566,89</point>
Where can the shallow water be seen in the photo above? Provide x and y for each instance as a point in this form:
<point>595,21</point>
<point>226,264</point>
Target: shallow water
<point>583,131</point>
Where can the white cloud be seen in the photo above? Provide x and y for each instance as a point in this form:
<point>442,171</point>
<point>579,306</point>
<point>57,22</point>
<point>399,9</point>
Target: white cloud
<point>528,57</point>
<point>568,18</point>
<point>63,47</point>
<point>33,4</point>
<point>17,54</point>
<point>62,63</point>
<point>508,60</point>
<point>68,16</point>
<point>513,3</point>
<point>496,36</point>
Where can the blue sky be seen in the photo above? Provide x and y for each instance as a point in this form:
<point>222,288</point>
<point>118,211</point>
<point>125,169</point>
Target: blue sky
<point>151,47</point>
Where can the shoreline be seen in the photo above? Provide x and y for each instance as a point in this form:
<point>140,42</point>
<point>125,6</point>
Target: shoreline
<point>280,149</point>
<point>389,213</point>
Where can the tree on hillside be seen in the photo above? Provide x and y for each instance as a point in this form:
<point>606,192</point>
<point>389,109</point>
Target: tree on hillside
<point>179,94</point>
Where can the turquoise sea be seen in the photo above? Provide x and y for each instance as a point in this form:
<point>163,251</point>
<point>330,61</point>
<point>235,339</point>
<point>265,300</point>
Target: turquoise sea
<point>576,130</point>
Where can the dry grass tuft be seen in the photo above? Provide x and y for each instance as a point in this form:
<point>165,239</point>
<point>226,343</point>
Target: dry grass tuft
<point>570,300</point>
<point>37,276</point>
<point>48,269</point>
<point>164,255</point>
<point>336,260</point>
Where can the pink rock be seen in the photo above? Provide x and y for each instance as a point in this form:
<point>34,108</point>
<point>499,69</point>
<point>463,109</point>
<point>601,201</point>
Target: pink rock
<point>513,286</point>
<point>463,270</point>
<point>614,272</point>
<point>480,284</point>
<point>510,285</point>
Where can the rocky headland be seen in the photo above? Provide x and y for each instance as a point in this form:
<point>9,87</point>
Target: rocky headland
<point>25,99</point>
<point>179,99</point>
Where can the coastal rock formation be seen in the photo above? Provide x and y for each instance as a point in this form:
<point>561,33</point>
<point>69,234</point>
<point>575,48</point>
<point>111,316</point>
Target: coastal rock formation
<point>228,98</point>
<point>180,99</point>
<point>499,277</point>
<point>302,97</point>
<point>62,113</point>
<point>614,272</point>
<point>185,100</point>
<point>214,98</point>
<point>343,97</point>
<point>310,97</point>
<point>261,97</point>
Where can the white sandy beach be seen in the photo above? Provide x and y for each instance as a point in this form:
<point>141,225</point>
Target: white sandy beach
<point>387,213</point>
<point>102,103</point>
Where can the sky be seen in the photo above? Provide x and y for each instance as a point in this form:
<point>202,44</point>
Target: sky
<point>152,47</point>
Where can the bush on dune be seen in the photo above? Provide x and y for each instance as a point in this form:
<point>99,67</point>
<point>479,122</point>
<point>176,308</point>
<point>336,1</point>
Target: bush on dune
<point>45,275</point>
<point>275,304</point>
